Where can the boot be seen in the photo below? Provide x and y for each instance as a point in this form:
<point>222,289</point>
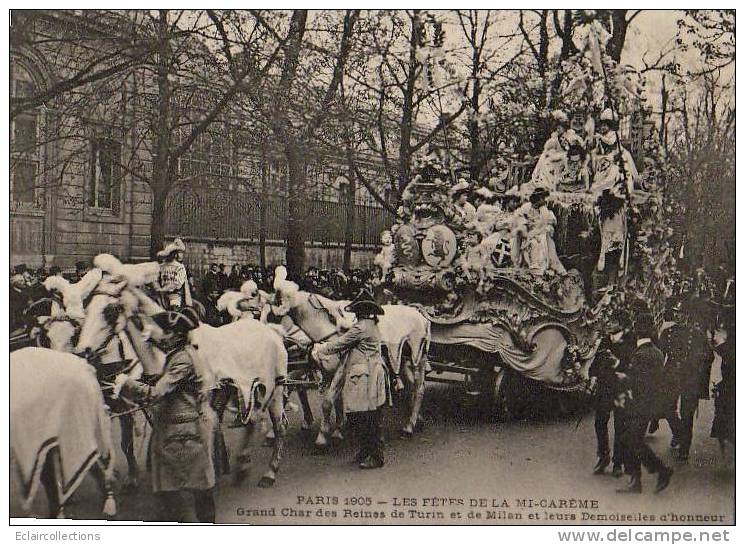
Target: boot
<point>601,464</point>
<point>663,479</point>
<point>633,487</point>
<point>617,470</point>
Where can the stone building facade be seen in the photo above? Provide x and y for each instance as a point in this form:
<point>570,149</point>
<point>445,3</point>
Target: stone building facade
<point>74,185</point>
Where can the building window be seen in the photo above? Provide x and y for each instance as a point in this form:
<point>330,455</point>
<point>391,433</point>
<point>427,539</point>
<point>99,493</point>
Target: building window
<point>24,142</point>
<point>105,174</point>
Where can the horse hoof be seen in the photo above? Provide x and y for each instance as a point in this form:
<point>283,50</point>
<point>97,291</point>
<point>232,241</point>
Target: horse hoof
<point>240,476</point>
<point>406,434</point>
<point>266,482</point>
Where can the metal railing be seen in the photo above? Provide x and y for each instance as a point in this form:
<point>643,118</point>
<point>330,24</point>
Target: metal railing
<point>200,212</point>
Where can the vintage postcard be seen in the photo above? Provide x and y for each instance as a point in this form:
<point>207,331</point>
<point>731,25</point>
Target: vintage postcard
<point>373,266</point>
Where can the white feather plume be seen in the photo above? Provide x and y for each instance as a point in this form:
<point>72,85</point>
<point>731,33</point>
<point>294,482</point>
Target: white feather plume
<point>107,263</point>
<point>280,275</point>
<point>56,283</point>
<point>229,301</point>
<point>73,295</point>
<point>249,288</point>
<point>136,274</point>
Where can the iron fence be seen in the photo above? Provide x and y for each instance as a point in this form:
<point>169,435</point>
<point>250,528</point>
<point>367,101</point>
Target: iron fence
<point>214,213</point>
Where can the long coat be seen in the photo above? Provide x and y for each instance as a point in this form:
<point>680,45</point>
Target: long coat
<point>689,359</point>
<point>182,443</point>
<point>723,426</point>
<point>646,382</point>
<point>364,375</point>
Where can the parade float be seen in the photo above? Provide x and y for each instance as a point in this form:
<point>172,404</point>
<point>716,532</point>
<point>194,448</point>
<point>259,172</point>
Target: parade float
<point>529,276</point>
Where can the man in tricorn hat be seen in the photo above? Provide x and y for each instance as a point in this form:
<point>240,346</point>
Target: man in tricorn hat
<point>364,378</point>
<point>183,422</point>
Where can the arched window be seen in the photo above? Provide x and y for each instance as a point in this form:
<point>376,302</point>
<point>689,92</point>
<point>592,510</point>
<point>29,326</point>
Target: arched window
<point>25,143</point>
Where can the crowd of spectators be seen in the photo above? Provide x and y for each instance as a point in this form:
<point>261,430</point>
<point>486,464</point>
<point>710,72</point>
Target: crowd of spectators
<point>332,283</point>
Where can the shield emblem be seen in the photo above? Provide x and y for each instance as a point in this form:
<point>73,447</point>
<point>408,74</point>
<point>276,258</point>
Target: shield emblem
<point>501,250</point>
<point>439,246</point>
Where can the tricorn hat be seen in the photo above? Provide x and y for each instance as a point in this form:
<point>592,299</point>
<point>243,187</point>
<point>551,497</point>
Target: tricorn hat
<point>538,194</point>
<point>179,321</point>
<point>176,246</point>
<point>364,304</point>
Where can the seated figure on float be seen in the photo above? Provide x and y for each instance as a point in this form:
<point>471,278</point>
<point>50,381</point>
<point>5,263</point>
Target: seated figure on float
<point>614,173</point>
<point>552,161</point>
<point>535,225</point>
<point>459,193</point>
<point>575,174</point>
<point>488,210</point>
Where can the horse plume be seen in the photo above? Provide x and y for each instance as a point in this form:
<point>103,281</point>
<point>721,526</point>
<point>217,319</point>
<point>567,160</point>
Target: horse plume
<point>137,274</point>
<point>229,301</point>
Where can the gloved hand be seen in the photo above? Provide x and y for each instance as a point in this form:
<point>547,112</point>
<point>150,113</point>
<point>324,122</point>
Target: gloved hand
<point>119,382</point>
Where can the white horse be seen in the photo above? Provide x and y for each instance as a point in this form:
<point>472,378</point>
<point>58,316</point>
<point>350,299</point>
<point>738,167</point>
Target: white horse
<point>246,353</point>
<point>59,427</point>
<point>405,334</point>
<point>59,329</point>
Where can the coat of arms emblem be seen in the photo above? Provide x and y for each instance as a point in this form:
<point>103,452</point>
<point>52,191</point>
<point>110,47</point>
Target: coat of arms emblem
<point>439,246</point>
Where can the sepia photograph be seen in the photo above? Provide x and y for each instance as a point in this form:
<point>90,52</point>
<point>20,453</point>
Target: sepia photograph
<point>372,267</point>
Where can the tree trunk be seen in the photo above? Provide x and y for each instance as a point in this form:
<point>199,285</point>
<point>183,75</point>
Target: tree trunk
<point>473,123</point>
<point>349,225</point>
<point>163,172</point>
<point>158,222</point>
<point>618,37</point>
<point>296,224</point>
<point>262,215</point>
<point>407,113</point>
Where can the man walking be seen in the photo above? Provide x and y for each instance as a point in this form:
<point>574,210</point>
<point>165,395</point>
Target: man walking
<point>687,371</point>
<point>639,399</point>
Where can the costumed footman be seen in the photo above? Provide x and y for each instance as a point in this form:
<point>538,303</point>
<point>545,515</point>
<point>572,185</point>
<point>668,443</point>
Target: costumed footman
<point>604,373</point>
<point>183,421</point>
<point>173,282</point>
<point>363,390</point>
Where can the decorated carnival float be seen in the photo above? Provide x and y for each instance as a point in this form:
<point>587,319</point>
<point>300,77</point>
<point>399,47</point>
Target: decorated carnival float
<point>528,276</point>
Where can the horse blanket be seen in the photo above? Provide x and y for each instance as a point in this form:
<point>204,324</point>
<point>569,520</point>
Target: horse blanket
<point>246,352</point>
<point>56,406</point>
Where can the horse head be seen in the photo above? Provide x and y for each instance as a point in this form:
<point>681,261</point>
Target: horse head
<point>106,317</point>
